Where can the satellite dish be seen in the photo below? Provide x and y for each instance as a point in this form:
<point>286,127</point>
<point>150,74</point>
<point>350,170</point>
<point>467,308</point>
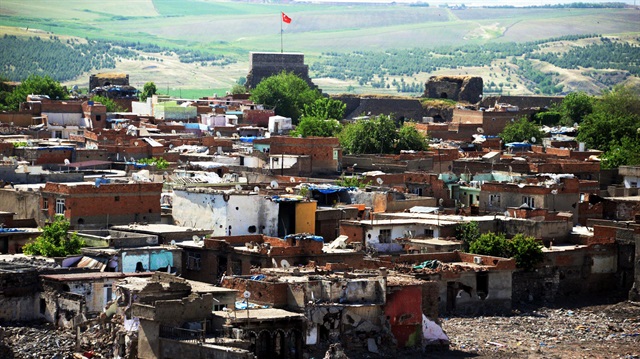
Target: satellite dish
<point>292,180</point>
<point>195,238</point>
<point>135,143</point>
<point>554,191</point>
<point>274,184</point>
<point>506,214</point>
<point>218,134</point>
<point>66,162</point>
<point>173,242</point>
<point>533,140</point>
<point>238,187</point>
<point>173,132</point>
<point>285,264</point>
<point>246,294</point>
<point>480,130</point>
<point>256,189</point>
<point>171,146</point>
<point>235,135</point>
<point>132,159</point>
<point>379,181</point>
<point>440,201</point>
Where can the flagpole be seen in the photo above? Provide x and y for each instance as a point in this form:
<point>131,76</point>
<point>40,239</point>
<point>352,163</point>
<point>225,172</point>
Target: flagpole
<point>281,43</point>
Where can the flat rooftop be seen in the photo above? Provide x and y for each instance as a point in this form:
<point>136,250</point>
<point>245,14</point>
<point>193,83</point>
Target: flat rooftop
<point>156,228</point>
<point>259,314</point>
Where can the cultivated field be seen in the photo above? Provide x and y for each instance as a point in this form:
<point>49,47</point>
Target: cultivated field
<point>235,28</point>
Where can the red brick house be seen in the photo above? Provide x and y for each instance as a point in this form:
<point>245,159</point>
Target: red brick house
<point>88,205</point>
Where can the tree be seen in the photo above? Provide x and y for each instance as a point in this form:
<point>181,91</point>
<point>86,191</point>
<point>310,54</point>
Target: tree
<point>526,251</point>
<point>238,89</point>
<point>521,130</point>
<point>148,90</point>
<point>325,108</point>
<point>612,126</point>
<point>490,244</point>
<point>374,135</point>
<point>468,232</point>
<point>626,153</point>
<point>409,139</point>
<point>36,85</point>
<point>352,181</point>
<point>574,107</point>
<point>379,135</point>
<point>55,240</point>
<point>315,126</point>
<point>110,104</point>
<point>286,93</point>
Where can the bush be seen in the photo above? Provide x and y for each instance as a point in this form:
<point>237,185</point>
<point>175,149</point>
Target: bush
<point>55,241</point>
<point>467,232</point>
<point>526,251</point>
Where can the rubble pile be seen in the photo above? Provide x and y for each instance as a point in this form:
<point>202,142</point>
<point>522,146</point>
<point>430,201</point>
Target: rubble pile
<point>611,331</point>
<point>36,341</point>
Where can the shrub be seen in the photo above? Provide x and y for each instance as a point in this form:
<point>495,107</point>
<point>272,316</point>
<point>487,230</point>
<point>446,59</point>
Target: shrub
<point>55,240</point>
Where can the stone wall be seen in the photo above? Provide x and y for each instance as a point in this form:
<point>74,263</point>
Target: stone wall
<point>400,108</point>
<point>265,64</point>
<point>106,79</point>
<point>457,88</point>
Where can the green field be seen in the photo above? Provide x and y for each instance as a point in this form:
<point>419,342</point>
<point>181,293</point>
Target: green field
<point>233,29</point>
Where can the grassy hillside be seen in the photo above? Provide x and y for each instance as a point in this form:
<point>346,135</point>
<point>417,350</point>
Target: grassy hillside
<point>233,29</point>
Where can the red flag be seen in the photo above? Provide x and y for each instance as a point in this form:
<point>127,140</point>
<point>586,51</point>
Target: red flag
<point>286,19</point>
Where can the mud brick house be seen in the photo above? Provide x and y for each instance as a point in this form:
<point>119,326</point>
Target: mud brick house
<point>383,234</point>
<point>15,233</point>
<point>211,259</point>
<point>562,194</point>
<point>173,318</point>
<point>324,153</point>
<point>422,161</point>
<point>101,204</point>
<point>467,283</point>
<point>75,297</point>
<point>355,306</point>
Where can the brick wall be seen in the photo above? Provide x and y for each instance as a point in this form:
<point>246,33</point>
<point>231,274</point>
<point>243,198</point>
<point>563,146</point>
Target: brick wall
<point>121,203</point>
<point>320,150</point>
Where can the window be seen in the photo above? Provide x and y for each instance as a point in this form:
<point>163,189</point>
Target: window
<point>581,197</point>
<point>193,261</point>
<point>117,198</point>
<point>385,236</point>
<point>219,307</point>
<point>529,201</point>
<point>494,200</point>
<point>98,118</point>
<point>428,232</point>
<point>45,203</point>
<point>60,206</point>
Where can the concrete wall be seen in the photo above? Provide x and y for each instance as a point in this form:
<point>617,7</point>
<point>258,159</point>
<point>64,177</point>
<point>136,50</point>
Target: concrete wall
<point>24,204</point>
<point>235,216</point>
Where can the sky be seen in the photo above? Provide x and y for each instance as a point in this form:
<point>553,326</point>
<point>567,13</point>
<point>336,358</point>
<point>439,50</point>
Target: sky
<point>479,2</point>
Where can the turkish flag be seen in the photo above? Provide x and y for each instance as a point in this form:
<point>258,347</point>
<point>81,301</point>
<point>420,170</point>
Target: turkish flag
<point>286,19</point>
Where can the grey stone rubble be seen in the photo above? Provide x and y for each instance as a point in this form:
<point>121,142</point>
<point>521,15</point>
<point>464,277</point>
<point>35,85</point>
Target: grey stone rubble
<point>598,331</point>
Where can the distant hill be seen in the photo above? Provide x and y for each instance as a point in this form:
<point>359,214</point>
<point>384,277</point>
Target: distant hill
<point>380,48</point>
